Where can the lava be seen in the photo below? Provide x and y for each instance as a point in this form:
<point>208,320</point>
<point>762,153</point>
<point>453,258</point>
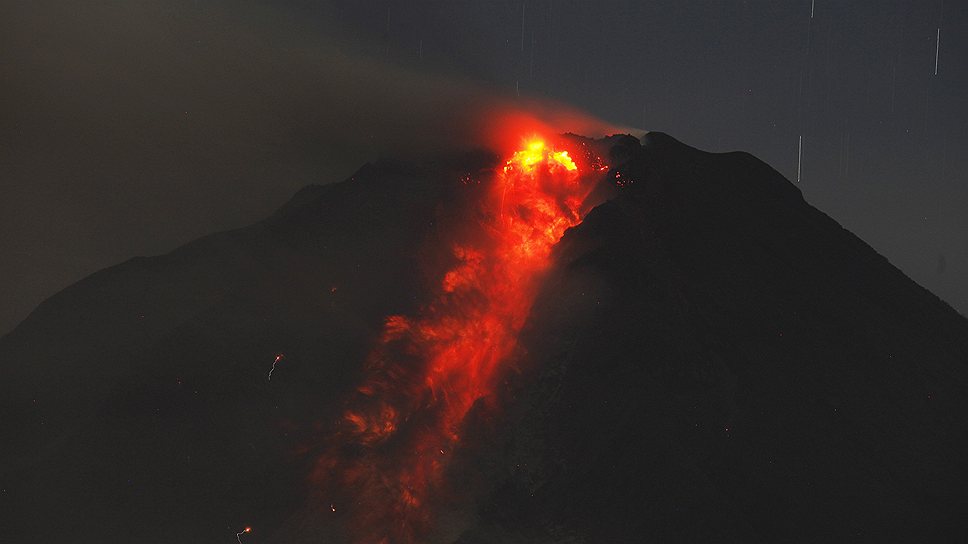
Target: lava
<point>388,459</point>
<point>275,361</point>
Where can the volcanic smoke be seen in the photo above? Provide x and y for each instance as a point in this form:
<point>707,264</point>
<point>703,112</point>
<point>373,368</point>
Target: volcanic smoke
<point>389,455</point>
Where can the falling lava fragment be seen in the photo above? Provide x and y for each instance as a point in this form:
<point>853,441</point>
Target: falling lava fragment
<point>278,358</point>
<point>428,370</point>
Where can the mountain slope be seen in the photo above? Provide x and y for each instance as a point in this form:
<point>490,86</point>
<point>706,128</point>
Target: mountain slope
<point>710,358</point>
<point>716,360</point>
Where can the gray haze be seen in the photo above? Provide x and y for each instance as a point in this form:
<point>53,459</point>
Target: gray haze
<point>129,128</point>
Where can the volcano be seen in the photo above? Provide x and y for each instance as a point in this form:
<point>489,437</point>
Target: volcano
<point>585,341</point>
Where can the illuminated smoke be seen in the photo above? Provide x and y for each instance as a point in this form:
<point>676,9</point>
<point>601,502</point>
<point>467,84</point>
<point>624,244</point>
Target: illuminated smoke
<point>388,458</point>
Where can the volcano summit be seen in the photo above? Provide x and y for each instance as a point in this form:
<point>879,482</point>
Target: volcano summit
<point>585,341</point>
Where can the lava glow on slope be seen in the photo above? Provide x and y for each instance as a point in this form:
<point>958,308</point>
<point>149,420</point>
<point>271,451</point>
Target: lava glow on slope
<point>387,465</point>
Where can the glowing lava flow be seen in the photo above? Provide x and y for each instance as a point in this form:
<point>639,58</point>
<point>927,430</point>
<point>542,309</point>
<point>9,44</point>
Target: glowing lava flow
<point>428,371</point>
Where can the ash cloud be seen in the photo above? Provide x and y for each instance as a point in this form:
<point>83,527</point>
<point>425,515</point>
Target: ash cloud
<point>130,128</point>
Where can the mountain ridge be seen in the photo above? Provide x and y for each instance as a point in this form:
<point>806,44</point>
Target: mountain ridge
<point>711,358</point>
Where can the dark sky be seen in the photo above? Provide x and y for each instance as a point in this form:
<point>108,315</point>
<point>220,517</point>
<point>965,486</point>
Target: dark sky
<point>130,128</point>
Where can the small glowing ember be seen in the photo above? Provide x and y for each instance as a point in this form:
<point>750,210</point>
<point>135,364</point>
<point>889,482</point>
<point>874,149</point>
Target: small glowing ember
<point>278,358</point>
<point>428,370</point>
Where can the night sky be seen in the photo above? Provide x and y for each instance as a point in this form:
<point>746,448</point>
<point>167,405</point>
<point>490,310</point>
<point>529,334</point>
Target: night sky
<point>132,128</point>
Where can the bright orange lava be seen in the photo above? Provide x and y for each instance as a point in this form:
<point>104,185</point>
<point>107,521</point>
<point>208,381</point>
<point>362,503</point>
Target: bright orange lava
<point>427,371</point>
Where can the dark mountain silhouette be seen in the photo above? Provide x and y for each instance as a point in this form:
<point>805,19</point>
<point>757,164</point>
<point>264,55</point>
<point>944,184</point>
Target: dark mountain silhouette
<point>709,359</point>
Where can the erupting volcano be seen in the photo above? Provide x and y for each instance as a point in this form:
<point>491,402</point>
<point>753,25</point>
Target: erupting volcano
<point>428,370</point>
<point>516,346</point>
